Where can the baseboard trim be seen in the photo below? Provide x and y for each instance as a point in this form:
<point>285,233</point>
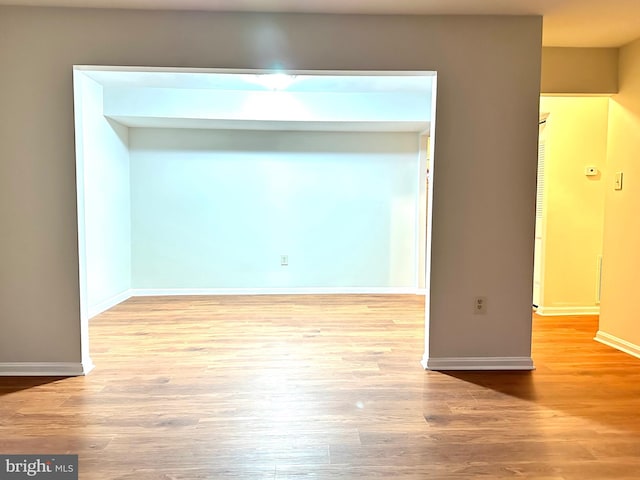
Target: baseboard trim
<point>152,292</point>
<point>109,303</point>
<point>573,310</point>
<point>478,363</point>
<point>44,369</point>
<point>617,343</point>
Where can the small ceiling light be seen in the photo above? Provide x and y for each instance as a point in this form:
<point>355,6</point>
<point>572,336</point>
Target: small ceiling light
<point>272,81</point>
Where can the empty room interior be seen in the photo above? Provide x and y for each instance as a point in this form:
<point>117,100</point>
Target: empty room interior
<point>254,183</point>
<point>352,241</point>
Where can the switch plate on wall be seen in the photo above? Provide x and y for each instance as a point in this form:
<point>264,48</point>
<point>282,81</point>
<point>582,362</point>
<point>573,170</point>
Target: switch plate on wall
<point>618,184</point>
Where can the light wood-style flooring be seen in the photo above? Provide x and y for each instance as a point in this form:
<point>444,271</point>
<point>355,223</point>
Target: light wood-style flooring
<point>323,387</point>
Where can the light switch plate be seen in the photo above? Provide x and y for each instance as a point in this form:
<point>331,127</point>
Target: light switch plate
<point>618,184</point>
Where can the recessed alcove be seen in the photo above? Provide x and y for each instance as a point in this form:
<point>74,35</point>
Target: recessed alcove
<point>200,181</point>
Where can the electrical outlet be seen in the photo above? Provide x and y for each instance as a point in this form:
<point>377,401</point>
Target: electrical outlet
<point>480,305</point>
<point>284,260</point>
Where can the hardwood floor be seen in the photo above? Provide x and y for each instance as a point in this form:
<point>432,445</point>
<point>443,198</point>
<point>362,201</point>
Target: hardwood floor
<point>323,387</point>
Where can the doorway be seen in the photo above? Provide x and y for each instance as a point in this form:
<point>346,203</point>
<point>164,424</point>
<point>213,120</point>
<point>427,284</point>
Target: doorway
<point>343,150</point>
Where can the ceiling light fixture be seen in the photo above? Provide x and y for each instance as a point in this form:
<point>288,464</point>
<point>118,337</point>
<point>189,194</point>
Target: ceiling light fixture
<point>272,81</point>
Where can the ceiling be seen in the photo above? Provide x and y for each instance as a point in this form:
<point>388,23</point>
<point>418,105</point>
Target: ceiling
<point>567,23</point>
<point>260,100</point>
<point>207,79</point>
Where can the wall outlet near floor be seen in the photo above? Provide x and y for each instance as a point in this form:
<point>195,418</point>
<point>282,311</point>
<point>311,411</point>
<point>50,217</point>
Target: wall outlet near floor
<point>284,260</point>
<point>480,305</point>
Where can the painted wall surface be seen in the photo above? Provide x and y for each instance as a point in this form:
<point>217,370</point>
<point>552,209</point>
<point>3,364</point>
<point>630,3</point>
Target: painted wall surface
<point>621,267</point>
<point>217,209</point>
<point>107,204</point>
<point>579,70</point>
<point>483,176</point>
<point>576,137</point>
<point>165,103</point>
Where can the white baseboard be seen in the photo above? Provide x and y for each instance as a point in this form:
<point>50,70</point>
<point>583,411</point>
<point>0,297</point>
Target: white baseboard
<point>109,303</point>
<point>44,369</point>
<point>478,363</point>
<point>149,292</point>
<point>571,310</point>
<point>617,343</point>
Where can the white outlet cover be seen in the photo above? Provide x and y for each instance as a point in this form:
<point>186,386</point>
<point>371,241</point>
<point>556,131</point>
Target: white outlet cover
<point>590,171</point>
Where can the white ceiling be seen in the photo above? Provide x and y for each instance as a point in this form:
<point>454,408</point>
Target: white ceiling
<point>205,79</point>
<point>384,102</point>
<point>575,23</point>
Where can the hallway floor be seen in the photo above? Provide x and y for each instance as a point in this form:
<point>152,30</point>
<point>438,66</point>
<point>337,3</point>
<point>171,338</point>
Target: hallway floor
<point>323,387</point>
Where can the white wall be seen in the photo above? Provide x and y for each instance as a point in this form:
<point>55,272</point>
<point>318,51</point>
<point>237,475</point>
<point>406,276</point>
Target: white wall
<point>484,169</point>
<point>104,201</point>
<point>619,325</point>
<point>143,104</point>
<point>217,209</point>
<point>576,137</point>
<point>575,71</point>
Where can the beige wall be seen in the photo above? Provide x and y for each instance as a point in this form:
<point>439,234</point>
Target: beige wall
<point>576,137</point>
<point>579,70</point>
<point>484,167</point>
<point>619,318</point>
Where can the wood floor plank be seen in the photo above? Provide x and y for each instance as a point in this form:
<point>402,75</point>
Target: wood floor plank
<point>323,387</point>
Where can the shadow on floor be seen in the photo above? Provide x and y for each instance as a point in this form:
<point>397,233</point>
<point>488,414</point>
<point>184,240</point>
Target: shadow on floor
<point>17,384</point>
<point>516,384</point>
<point>605,393</point>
